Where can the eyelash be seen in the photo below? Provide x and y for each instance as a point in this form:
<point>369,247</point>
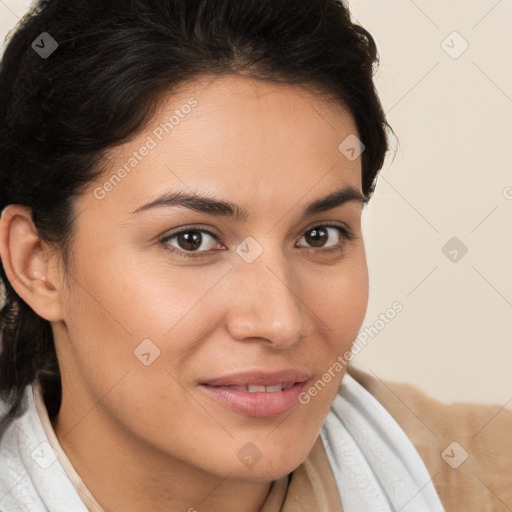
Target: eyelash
<point>346,235</point>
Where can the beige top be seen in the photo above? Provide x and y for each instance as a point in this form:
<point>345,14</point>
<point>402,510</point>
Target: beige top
<point>310,487</point>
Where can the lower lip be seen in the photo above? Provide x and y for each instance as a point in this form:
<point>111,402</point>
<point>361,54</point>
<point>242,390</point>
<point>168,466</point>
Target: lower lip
<point>258,404</point>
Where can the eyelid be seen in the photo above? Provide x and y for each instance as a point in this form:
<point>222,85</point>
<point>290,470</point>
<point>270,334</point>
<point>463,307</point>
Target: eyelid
<point>185,229</point>
<point>330,224</point>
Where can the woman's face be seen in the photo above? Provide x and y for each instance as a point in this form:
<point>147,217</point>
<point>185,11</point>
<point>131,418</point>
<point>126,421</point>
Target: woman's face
<point>256,287</point>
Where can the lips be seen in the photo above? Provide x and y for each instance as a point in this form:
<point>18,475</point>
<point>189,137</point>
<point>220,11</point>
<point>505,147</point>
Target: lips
<point>260,380</point>
<point>258,393</point>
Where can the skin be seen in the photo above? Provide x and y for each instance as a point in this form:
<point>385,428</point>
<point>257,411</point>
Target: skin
<point>147,437</point>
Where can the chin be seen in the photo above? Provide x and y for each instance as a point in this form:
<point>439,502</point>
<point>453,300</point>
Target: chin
<point>264,472</point>
<point>252,464</point>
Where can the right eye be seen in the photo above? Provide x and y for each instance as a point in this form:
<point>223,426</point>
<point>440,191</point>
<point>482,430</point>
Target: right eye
<point>189,241</point>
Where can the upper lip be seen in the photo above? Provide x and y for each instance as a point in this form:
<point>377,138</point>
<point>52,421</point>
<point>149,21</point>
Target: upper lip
<point>260,378</point>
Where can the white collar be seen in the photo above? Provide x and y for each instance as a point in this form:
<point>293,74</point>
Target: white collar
<point>32,475</point>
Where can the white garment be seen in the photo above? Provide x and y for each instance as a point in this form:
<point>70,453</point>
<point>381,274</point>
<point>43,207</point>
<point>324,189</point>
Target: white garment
<point>375,465</point>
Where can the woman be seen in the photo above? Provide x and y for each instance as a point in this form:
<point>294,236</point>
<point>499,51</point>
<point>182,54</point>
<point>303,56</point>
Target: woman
<point>182,184</point>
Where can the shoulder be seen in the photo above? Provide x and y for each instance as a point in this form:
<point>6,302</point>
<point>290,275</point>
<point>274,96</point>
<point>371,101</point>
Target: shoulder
<point>466,447</point>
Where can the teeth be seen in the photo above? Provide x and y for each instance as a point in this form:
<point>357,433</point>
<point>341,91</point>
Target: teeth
<point>260,389</point>
<point>277,387</point>
<point>256,389</point>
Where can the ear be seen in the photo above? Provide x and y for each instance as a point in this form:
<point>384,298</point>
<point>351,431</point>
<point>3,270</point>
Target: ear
<point>27,262</point>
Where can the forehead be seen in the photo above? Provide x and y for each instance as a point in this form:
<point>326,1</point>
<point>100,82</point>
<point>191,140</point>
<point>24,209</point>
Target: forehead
<point>235,137</point>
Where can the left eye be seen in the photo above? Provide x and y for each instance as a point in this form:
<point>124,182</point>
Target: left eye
<point>319,235</point>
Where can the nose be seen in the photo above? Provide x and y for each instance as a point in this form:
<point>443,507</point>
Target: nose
<point>266,302</point>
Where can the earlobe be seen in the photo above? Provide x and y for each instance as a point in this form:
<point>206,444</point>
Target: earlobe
<point>27,263</point>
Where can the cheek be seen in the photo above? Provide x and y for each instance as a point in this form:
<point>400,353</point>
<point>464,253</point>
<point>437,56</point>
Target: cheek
<point>143,297</point>
<point>341,301</point>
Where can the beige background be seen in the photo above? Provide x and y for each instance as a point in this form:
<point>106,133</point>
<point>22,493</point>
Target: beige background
<point>452,112</point>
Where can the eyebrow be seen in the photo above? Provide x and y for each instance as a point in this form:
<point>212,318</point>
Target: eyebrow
<point>217,207</point>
